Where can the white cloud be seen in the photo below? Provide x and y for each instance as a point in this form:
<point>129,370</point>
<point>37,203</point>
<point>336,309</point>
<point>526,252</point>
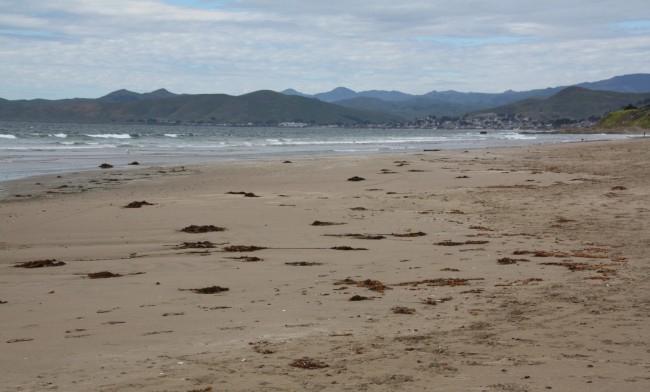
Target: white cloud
<point>79,47</point>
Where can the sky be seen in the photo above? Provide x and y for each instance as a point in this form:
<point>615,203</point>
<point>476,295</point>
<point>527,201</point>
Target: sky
<point>87,48</point>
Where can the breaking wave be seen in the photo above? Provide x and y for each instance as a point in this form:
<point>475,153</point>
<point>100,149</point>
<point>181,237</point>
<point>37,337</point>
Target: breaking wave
<point>110,135</point>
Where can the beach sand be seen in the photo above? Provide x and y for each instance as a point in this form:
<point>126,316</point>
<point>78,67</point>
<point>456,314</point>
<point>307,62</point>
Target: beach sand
<point>520,269</point>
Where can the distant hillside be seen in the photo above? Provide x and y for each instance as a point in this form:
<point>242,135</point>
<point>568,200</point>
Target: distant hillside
<point>409,109</point>
<point>388,96</point>
<point>130,96</point>
<point>437,103</point>
<point>338,106</point>
<point>634,83</point>
<point>627,119</point>
<point>261,107</point>
<point>338,94</point>
<point>573,103</point>
<point>291,91</point>
<point>342,93</point>
<point>455,103</point>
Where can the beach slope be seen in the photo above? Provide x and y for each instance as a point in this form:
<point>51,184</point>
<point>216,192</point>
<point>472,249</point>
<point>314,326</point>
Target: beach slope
<point>520,269</point>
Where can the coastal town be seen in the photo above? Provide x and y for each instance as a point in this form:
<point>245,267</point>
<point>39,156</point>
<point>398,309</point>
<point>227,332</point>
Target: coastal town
<point>474,121</point>
<point>496,121</point>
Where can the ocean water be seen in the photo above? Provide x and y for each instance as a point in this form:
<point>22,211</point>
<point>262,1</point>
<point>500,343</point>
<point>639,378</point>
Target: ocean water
<point>28,149</point>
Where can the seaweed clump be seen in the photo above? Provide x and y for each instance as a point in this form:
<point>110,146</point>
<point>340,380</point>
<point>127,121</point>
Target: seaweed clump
<point>103,275</point>
<point>40,264</point>
<point>138,204</point>
<point>209,290</point>
<point>195,229</point>
<point>242,248</point>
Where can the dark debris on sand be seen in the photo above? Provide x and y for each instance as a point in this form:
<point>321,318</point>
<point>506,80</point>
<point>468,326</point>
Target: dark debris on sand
<point>308,363</point>
<point>138,204</point>
<point>370,284</point>
<point>105,166</point>
<point>245,194</point>
<point>435,301</point>
<point>40,264</point>
<point>247,259</point>
<point>242,248</point>
<point>302,263</point>
<point>356,178</point>
<point>402,310</point>
<point>262,347</point>
<point>359,298</point>
<point>345,247</point>
<point>196,245</point>
<point>588,253</point>
<point>358,236</point>
<point>573,266</point>
<point>324,223</point>
<point>455,243</point>
<point>194,229</point>
<point>439,282</point>
<point>208,290</point>
<point>103,275</point>
<point>409,234</point>
<point>541,253</point>
<point>508,260</point>
<point>19,340</point>
<point>481,228</point>
<point>473,291</point>
<point>522,282</point>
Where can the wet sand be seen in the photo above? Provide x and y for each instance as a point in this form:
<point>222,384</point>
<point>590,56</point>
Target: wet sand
<point>520,269</point>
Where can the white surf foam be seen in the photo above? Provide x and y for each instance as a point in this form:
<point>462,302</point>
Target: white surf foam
<point>111,135</point>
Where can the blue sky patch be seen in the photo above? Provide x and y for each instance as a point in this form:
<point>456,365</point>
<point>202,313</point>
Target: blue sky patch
<point>31,34</point>
<point>203,4</point>
<point>633,26</point>
<point>457,41</point>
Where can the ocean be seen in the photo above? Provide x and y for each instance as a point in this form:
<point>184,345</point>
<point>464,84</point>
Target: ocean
<point>28,149</point>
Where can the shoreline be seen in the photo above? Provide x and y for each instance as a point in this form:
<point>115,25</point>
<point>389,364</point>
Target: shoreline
<point>498,269</point>
<point>39,150</point>
<point>17,185</point>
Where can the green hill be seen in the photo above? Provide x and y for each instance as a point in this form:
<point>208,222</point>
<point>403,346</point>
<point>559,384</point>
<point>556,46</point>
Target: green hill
<point>627,119</point>
<point>573,103</point>
<point>259,108</point>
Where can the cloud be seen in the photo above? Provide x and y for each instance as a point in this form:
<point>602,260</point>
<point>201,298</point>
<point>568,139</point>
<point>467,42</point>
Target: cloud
<point>87,48</point>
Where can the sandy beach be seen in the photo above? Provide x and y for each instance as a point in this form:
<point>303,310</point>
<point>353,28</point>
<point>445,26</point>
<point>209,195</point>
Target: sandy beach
<point>513,269</point>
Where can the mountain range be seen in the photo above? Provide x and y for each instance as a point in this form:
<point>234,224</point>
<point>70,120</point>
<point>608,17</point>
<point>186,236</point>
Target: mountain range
<point>455,103</point>
<point>258,108</point>
<point>572,103</point>
<point>340,106</point>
